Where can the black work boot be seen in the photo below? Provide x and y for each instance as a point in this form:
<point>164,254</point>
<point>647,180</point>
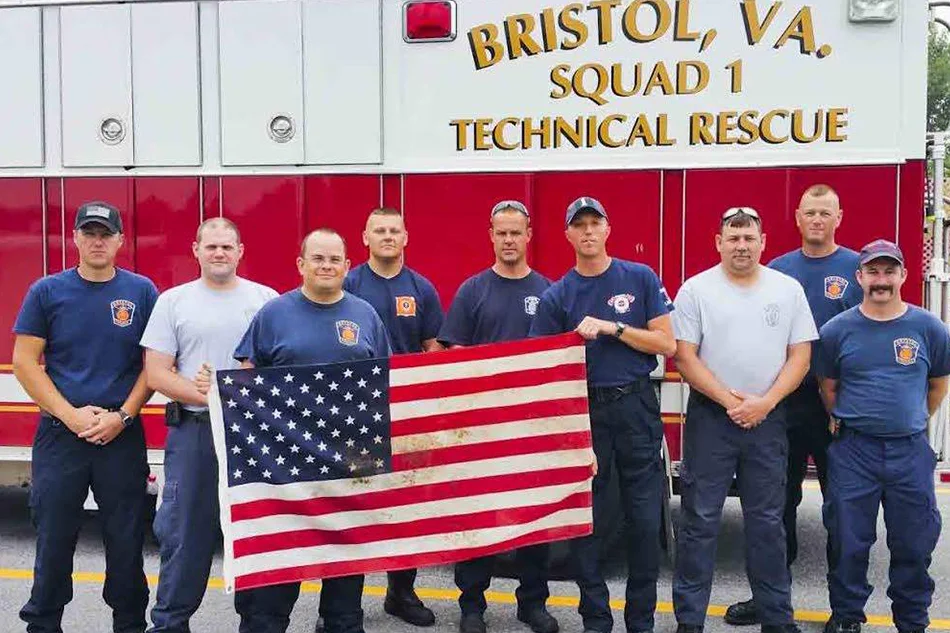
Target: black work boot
<point>539,620</point>
<point>742,614</point>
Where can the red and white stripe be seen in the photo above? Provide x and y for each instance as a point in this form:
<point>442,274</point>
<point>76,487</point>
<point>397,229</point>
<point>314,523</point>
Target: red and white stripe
<point>491,451</point>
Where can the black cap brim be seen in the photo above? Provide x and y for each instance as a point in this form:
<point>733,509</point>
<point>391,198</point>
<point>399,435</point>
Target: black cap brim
<point>112,228</point>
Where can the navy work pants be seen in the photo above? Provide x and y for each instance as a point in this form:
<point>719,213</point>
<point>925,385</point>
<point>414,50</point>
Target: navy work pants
<point>64,468</point>
<point>268,609</point>
<point>627,432</point>
<point>473,577</point>
<point>864,473</point>
<point>187,523</point>
<point>715,449</point>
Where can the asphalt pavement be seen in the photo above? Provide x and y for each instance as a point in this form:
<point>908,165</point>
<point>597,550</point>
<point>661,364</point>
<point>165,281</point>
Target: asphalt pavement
<point>88,613</point>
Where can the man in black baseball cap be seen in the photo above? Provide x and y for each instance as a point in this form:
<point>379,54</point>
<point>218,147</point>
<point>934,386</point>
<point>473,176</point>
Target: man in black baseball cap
<point>584,204</point>
<point>99,213</point>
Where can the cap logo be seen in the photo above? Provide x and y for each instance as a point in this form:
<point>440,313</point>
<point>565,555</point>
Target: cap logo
<point>905,351</point>
<point>99,212</point>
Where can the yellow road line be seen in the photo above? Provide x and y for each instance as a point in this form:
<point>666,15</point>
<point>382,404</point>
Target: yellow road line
<point>451,595</point>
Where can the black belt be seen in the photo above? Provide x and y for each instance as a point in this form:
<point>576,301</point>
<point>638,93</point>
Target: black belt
<point>199,416</point>
<point>615,392</point>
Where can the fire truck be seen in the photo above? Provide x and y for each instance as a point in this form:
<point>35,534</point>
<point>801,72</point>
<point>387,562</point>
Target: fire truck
<point>285,115</point>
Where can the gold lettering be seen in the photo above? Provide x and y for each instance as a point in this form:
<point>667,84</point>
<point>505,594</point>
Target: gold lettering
<point>699,128</point>
<point>461,136</point>
<point>755,29</point>
<point>798,126</point>
<point>802,29</point>
<point>518,30</point>
<point>591,131</point>
<point>548,30</point>
<point>641,132</point>
<point>603,130</point>
<point>564,129</point>
<point>659,78</point>
<point>683,34</point>
<point>560,80</point>
<point>748,123</point>
<point>528,131</point>
<point>603,83</point>
<point>616,80</point>
<point>683,86</point>
<point>837,121</point>
<point>498,134</point>
<point>486,50</point>
<point>482,134</point>
<point>569,23</point>
<point>765,127</point>
<point>726,122</point>
<point>664,18</point>
<point>662,132</point>
<point>605,27</point>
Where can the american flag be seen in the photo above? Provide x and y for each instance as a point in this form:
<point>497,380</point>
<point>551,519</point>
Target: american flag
<point>410,461</point>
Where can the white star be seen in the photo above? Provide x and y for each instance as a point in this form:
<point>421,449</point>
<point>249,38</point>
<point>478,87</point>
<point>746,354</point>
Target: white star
<point>352,467</point>
<point>280,437</point>
<point>263,426</point>
<point>310,459</point>
<point>289,378</point>
<point>294,449</point>
<point>235,428</point>
<point>377,416</point>
<point>266,474</point>
<point>294,471</point>
<point>307,435</point>
<point>364,430</point>
<point>245,391</point>
<point>337,457</point>
<point>335,433</point>
<point>259,403</point>
<point>291,402</point>
<point>304,388</point>
<point>348,396</point>
<point>231,404</point>
<point>252,462</point>
<point>291,425</point>
<point>258,380</point>
<point>321,423</point>
<point>265,449</point>
<point>334,410</point>
<point>274,391</point>
<point>333,386</point>
<point>319,399</point>
<point>237,473</point>
<point>379,463</point>
<point>350,443</point>
<point>305,413</point>
<point>236,450</point>
<point>362,382</point>
<point>248,415</point>
<point>280,460</point>
<point>276,414</point>
<point>376,370</point>
<point>228,380</point>
<point>251,439</point>
<point>364,452</point>
<point>324,470</point>
<point>348,373</point>
<point>377,440</point>
<point>350,420</point>
<point>322,446</point>
<point>362,406</point>
<point>318,375</point>
<point>377,393</point>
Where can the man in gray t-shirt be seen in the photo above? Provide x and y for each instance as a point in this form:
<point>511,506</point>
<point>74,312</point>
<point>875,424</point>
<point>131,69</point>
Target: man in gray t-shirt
<point>197,323</point>
<point>744,336</point>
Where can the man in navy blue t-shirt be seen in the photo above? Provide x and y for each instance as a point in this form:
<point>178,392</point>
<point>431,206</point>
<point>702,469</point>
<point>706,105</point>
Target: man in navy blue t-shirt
<point>87,322</point>
<point>826,272</point>
<point>497,305</point>
<point>622,310</point>
<point>883,368</point>
<point>316,323</point>
<point>409,306</point>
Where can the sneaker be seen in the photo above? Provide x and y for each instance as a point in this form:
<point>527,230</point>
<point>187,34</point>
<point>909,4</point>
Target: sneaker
<point>539,620</point>
<point>842,626</point>
<point>742,614</point>
<point>472,623</point>
<point>689,628</point>
<point>409,608</point>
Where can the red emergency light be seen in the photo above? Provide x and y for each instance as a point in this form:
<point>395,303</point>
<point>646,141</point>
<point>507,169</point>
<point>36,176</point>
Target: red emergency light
<point>427,21</point>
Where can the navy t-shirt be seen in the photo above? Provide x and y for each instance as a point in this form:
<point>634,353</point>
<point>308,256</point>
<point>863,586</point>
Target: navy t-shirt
<point>830,287</point>
<point>407,303</point>
<point>882,369</point>
<point>292,330</point>
<point>92,332</point>
<point>489,308</point>
<point>627,292</point>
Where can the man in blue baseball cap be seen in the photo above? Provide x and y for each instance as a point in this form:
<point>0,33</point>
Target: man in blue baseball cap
<point>883,367</point>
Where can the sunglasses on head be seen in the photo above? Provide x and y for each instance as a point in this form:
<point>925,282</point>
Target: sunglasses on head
<point>510,204</point>
<point>734,211</point>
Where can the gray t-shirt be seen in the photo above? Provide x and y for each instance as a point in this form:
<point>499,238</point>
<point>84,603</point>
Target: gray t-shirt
<point>743,333</point>
<point>197,324</point>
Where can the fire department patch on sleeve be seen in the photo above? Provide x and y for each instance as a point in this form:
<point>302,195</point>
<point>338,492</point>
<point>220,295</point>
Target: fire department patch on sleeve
<point>406,306</point>
<point>835,287</point>
<point>905,351</point>
<point>348,332</point>
<point>122,312</point>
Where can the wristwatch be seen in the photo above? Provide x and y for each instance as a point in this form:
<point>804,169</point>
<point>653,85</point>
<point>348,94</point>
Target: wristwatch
<point>621,326</point>
<point>126,418</point>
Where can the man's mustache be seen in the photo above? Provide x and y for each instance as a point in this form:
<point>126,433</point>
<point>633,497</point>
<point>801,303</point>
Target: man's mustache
<point>877,288</point>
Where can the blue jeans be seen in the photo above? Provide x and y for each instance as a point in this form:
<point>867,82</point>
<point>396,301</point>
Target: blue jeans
<point>64,468</point>
<point>864,473</point>
<point>186,524</point>
<point>715,450</point>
